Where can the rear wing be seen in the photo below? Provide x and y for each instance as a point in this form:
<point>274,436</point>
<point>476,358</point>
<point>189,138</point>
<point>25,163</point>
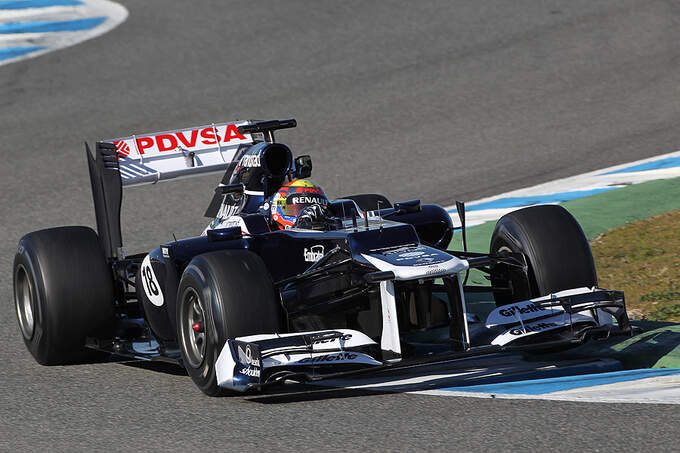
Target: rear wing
<point>150,158</point>
<point>162,156</point>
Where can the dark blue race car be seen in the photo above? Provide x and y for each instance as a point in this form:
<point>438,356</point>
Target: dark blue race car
<point>286,285</point>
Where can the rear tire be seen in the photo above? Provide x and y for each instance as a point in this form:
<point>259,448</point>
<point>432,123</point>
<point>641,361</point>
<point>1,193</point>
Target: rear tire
<point>557,253</point>
<point>63,292</point>
<point>370,201</point>
<point>230,294</point>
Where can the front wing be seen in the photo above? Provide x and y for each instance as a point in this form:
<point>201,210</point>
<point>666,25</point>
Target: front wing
<point>258,360</point>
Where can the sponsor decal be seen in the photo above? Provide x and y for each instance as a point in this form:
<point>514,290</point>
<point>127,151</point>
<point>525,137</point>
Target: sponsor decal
<point>152,288</point>
<point>344,337</point>
<point>250,161</point>
<point>227,210</point>
<point>434,271</point>
<point>419,256</point>
<point>339,357</point>
<point>533,328</point>
<point>538,327</point>
<point>524,310</point>
<point>122,148</point>
<point>229,222</point>
<point>248,371</point>
<point>310,190</point>
<point>245,355</point>
<point>313,254</point>
<point>187,140</point>
<point>165,252</point>
<point>400,250</point>
<point>411,254</point>
<point>305,199</point>
<point>513,310</point>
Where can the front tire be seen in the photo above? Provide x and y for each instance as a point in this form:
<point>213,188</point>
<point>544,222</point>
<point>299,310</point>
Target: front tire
<point>557,252</point>
<point>63,292</point>
<point>222,295</point>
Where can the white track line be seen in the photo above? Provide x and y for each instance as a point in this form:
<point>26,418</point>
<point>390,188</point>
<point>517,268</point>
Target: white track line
<point>115,14</point>
<point>47,13</point>
<point>654,390</point>
<point>586,181</point>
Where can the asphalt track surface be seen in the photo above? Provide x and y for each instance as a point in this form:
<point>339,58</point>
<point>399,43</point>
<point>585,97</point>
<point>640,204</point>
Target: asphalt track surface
<point>437,100</point>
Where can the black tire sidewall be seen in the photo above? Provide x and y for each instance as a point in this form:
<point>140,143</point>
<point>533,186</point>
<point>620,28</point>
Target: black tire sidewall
<point>510,235</point>
<point>557,251</point>
<point>38,345</point>
<point>214,276</point>
<point>73,288</point>
<point>203,375</point>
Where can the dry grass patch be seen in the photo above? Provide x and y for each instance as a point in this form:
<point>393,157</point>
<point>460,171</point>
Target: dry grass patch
<point>643,260</point>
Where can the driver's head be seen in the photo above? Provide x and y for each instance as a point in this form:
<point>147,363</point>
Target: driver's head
<point>292,198</point>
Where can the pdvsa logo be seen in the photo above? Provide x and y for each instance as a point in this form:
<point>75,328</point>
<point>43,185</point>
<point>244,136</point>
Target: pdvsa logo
<point>314,253</point>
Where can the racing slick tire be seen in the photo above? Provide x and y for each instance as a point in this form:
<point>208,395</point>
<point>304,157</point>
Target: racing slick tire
<point>557,252</point>
<point>63,292</point>
<point>222,295</point>
<point>369,201</point>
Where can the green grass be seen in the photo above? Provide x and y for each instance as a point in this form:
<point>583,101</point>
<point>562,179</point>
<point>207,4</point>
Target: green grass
<point>643,259</point>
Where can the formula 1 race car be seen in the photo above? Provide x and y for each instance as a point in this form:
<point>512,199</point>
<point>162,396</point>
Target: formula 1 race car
<point>245,304</point>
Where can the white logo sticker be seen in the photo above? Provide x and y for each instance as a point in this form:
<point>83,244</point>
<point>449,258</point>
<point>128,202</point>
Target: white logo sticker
<point>250,161</point>
<point>314,253</point>
<point>411,254</point>
<point>544,325</point>
<point>247,356</point>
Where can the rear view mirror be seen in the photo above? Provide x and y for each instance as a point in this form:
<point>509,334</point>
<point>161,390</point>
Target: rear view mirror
<point>407,207</point>
<point>303,167</point>
<point>233,193</point>
<point>230,188</point>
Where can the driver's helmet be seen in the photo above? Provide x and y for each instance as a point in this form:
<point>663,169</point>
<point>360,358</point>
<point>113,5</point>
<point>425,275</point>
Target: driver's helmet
<point>292,198</point>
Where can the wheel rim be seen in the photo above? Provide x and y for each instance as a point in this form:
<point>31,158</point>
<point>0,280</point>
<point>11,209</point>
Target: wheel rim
<point>192,325</point>
<point>517,280</point>
<point>25,302</point>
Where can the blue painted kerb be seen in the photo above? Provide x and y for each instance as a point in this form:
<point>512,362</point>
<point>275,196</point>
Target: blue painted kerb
<point>24,4</point>
<point>513,202</point>
<point>51,26</point>
<point>654,165</point>
<point>542,386</point>
<point>13,52</point>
